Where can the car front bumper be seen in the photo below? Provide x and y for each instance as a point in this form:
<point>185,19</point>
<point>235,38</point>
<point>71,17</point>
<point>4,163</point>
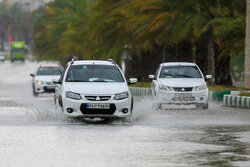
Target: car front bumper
<point>184,98</point>
<point>78,108</point>
<point>44,88</point>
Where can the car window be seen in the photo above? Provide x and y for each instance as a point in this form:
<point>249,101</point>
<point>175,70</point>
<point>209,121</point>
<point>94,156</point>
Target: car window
<point>180,72</point>
<point>94,73</point>
<point>42,71</point>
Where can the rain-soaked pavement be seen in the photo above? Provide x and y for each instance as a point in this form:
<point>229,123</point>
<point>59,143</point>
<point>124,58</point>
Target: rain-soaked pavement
<point>34,133</point>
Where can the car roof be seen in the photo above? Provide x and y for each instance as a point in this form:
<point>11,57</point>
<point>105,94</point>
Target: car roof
<point>178,64</point>
<point>49,65</point>
<point>89,62</point>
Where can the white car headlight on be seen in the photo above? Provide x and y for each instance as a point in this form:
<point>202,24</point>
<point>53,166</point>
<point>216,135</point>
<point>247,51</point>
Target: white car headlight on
<point>200,88</point>
<point>165,88</point>
<point>39,82</point>
<point>121,96</point>
<point>72,95</point>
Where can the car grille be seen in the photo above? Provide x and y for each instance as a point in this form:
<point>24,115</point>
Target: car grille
<point>189,89</point>
<point>98,98</point>
<point>89,111</point>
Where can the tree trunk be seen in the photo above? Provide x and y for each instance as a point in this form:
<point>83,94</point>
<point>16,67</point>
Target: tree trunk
<point>247,52</point>
<point>210,60</point>
<point>2,42</point>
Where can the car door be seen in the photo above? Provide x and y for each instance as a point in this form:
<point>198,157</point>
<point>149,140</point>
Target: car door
<point>58,88</point>
<point>155,82</point>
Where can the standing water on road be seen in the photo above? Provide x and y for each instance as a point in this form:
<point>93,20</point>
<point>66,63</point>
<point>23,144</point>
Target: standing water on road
<point>34,132</point>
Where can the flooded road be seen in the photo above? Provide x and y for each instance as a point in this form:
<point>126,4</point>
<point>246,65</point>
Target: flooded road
<point>34,133</point>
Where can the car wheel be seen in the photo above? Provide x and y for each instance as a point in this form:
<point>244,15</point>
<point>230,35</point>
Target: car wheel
<point>203,106</point>
<point>132,105</point>
<point>34,92</point>
<point>55,99</point>
<point>60,103</point>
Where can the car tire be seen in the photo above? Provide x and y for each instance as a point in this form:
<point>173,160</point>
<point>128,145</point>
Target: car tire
<point>60,103</point>
<point>55,99</point>
<point>132,105</point>
<point>34,92</point>
<point>203,106</point>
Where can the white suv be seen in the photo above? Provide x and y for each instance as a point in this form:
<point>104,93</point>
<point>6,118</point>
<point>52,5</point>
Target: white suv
<point>94,89</point>
<point>180,84</point>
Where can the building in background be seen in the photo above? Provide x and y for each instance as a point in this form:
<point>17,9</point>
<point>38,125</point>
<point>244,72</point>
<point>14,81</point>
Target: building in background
<point>28,5</point>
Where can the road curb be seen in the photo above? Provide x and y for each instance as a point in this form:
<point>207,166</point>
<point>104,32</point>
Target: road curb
<point>236,101</point>
<point>137,91</point>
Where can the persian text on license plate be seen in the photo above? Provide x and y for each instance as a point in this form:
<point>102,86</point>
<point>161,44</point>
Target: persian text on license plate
<point>98,106</point>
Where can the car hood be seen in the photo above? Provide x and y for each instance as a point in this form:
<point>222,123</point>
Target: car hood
<point>182,82</point>
<point>47,78</point>
<point>98,88</point>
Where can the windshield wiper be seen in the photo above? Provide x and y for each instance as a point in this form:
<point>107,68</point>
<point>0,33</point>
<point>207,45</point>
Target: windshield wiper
<point>99,81</point>
<point>186,76</point>
<point>75,81</point>
<point>167,74</point>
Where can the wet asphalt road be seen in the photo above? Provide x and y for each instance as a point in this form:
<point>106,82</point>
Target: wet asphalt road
<point>34,133</point>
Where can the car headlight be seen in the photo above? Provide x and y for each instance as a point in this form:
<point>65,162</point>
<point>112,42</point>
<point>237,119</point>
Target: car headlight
<point>72,95</point>
<point>39,82</point>
<point>200,88</point>
<point>165,88</point>
<point>121,96</point>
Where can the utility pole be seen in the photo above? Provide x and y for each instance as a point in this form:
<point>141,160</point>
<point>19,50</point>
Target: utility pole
<point>247,49</point>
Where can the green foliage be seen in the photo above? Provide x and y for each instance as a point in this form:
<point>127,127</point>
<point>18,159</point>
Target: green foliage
<point>243,93</point>
<point>100,29</point>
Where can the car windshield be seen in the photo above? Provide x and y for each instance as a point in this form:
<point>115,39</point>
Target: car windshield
<point>49,71</point>
<point>94,73</point>
<point>180,72</point>
<point>22,50</point>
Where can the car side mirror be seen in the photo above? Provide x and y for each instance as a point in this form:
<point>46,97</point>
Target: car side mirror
<point>32,75</point>
<point>208,77</point>
<point>152,77</point>
<point>55,81</point>
<point>132,81</point>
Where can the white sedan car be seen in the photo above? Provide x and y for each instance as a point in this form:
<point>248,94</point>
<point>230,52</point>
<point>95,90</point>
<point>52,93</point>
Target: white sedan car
<point>42,79</point>
<point>180,84</point>
<point>94,89</point>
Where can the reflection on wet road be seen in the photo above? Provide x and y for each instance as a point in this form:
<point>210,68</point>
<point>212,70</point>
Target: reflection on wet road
<point>34,132</point>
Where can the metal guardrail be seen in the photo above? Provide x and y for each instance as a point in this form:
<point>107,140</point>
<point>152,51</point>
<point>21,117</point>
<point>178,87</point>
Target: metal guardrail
<point>136,91</point>
<point>236,101</point>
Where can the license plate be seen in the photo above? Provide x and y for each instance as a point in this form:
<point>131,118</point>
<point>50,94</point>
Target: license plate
<point>98,106</point>
<point>183,95</point>
<point>50,87</point>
